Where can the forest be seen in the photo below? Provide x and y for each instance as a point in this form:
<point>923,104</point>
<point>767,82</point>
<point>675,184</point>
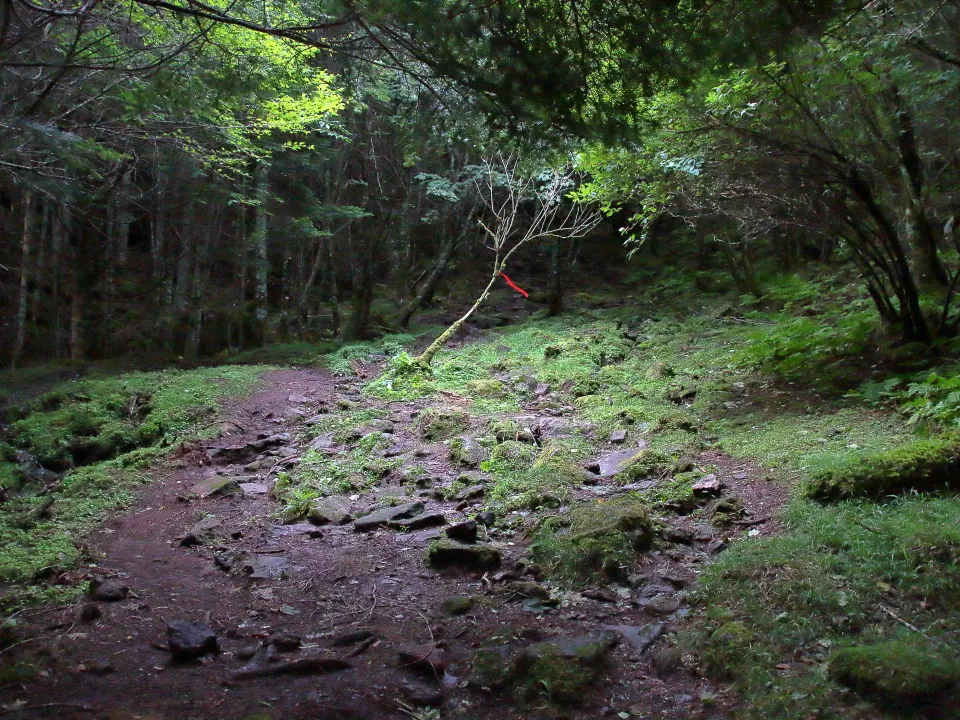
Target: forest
<point>480,359</point>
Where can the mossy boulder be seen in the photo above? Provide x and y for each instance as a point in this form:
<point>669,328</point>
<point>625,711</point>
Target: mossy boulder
<point>439,423</point>
<point>594,539</point>
<point>928,464</point>
<point>489,388</point>
<point>660,371</point>
<point>562,669</point>
<point>584,385</point>
<point>905,672</point>
<point>645,464</point>
<point>512,455</point>
<point>452,554</point>
<point>726,647</point>
<point>467,452</point>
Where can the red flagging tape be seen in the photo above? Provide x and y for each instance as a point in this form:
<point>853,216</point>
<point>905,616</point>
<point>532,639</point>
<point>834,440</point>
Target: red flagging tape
<point>516,287</point>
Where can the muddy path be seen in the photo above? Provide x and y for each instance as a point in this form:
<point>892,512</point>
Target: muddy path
<point>348,619</point>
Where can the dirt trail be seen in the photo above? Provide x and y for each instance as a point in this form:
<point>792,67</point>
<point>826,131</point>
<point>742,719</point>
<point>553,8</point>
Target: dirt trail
<point>299,597</point>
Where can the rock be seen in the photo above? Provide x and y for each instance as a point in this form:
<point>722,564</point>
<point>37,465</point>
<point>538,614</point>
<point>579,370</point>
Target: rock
<point>324,441</point>
<point>379,425</point>
<point>299,398</point>
<point>660,605</point>
<point>285,642</point>
<point>458,604</point>
<point>563,668</point>
<point>908,672</point>
<point>677,535</point>
<point>315,665</point>
<point>467,452</point>
<point>216,485</point>
<point>449,553</point>
<point>488,388</point>
<point>245,653</point>
<point>639,636</point>
<point>422,695</point>
<point>707,486</point>
<point>189,640</point>
<point>487,518</point>
<point>465,532</point>
<point>525,435</point>
<point>334,510</point>
<point>244,453</point>
<point>425,660</point>
<point>351,638</point>
<point>202,533</point>
<point>96,667</point>
<point>667,661</point>
<point>424,520</point>
<point>298,529</point>
<point>111,590</point>
<point>382,517</point>
<point>267,567</point>
<point>517,589</point>
<point>438,423</point>
<point>90,612</point>
<point>254,488</point>
<point>470,494</point>
<point>618,437</point>
<point>614,462</point>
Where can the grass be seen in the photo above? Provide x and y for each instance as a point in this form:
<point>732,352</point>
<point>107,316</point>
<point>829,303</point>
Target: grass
<point>103,433</point>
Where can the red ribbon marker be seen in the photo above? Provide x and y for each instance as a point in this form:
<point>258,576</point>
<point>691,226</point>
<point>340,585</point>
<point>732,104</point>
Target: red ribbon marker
<point>516,287</point>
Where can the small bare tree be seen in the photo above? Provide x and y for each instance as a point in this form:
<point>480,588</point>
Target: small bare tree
<point>507,192</point>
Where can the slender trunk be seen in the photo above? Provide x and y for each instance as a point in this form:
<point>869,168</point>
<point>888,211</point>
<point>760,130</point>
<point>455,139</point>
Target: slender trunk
<point>362,282</point>
<point>259,243</point>
<point>58,229</point>
<point>124,218</point>
<point>26,240</point>
<point>334,289</point>
<point>182,283</point>
<point>194,314</point>
<point>426,357</point>
<point>429,287</point>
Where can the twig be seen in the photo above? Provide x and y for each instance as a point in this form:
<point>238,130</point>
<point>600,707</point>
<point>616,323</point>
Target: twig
<point>903,622</point>
<point>426,622</point>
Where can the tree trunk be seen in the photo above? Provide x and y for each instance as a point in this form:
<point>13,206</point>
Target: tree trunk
<point>259,242</point>
<point>26,240</point>
<point>429,287</point>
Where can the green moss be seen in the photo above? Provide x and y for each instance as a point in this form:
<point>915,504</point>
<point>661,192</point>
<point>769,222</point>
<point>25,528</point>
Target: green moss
<point>510,455</point>
<point>675,494</point>
<point>645,464</point>
<point>596,539</point>
<point>726,648</point>
<point>489,388</point>
<point>439,423</point>
<point>926,464</point>
<point>903,671</point>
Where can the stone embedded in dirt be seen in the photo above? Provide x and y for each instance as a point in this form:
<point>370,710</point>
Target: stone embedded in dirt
<point>639,636</point>
<point>449,553</point>
<point>419,522</point>
<point>226,454</point>
<point>487,518</point>
<point>470,494</point>
<point>253,488</point>
<point>468,452</point>
<point>707,486</point>
<point>96,667</point>
<point>302,666</point>
<point>660,605</point>
<point>323,441</point>
<point>297,529</point>
<point>518,589</point>
<point>285,642</point>
<point>565,668</point>
<point>90,612</point>
<point>458,604</point>
<point>678,536</point>
<point>189,641</point>
<point>300,398</point>
<point>465,532</point>
<point>111,590</point>
<point>216,485</point>
<point>600,596</point>
<point>382,517</point>
<point>201,533</point>
<point>667,661</point>
<point>378,425</point>
<point>618,437</point>
<point>613,462</point>
<point>422,695</point>
<point>425,660</point>
<point>267,567</point>
<point>351,638</point>
<point>245,653</point>
<point>334,510</point>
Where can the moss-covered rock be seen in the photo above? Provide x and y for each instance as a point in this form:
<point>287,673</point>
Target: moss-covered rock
<point>645,464</point>
<point>511,455</point>
<point>449,553</point>
<point>439,423</point>
<point>488,388</point>
<point>903,671</point>
<point>594,539</point>
<point>928,464</point>
<point>467,452</point>
<point>726,647</point>
<point>459,604</point>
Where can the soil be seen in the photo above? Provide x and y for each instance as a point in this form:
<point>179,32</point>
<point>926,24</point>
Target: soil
<point>320,584</point>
